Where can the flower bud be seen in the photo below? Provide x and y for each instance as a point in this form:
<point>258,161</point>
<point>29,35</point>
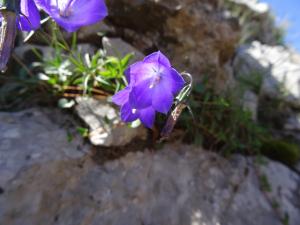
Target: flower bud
<point>7,36</point>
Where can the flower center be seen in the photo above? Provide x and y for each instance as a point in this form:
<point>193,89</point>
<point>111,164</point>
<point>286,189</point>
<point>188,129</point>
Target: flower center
<point>67,10</point>
<point>155,81</point>
<point>157,77</point>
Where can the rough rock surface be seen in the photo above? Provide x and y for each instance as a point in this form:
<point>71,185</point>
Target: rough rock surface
<point>274,73</point>
<point>176,185</point>
<point>33,137</point>
<point>250,103</point>
<point>279,66</point>
<point>106,128</point>
<point>192,33</point>
<point>254,5</point>
<point>255,19</point>
<point>118,47</point>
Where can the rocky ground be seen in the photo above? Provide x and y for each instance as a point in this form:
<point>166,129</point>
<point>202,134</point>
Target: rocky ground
<point>48,179</point>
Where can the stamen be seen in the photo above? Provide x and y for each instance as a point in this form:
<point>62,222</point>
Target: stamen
<point>155,81</point>
<point>67,11</point>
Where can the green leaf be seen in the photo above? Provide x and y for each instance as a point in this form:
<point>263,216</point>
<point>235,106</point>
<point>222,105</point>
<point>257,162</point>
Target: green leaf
<point>126,59</point>
<point>84,132</point>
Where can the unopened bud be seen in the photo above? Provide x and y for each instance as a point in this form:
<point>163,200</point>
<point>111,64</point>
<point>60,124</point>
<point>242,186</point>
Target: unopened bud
<point>7,36</point>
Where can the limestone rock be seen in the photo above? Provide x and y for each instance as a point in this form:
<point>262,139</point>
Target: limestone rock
<point>278,66</point>
<point>106,128</point>
<point>44,179</point>
<point>90,34</point>
<point>250,103</point>
<point>31,137</point>
<point>118,47</point>
<point>175,186</point>
<point>27,55</point>
<point>254,5</point>
<point>256,21</point>
<point>192,33</point>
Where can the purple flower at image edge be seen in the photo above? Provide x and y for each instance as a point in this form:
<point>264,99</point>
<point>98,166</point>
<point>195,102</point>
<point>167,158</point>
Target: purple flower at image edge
<point>30,17</point>
<point>73,14</point>
<point>153,84</point>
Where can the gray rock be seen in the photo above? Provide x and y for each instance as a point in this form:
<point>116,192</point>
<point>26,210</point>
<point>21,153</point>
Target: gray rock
<point>118,47</point>
<point>106,128</point>
<point>183,30</point>
<point>177,185</point>
<point>90,34</point>
<point>27,55</point>
<point>256,21</point>
<point>291,126</point>
<point>293,123</point>
<point>284,190</point>
<point>279,67</point>
<point>297,167</point>
<point>31,137</point>
<point>250,103</point>
<point>254,5</point>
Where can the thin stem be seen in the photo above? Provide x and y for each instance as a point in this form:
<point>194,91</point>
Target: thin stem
<point>28,71</point>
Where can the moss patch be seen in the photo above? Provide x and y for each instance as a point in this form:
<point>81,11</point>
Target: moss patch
<point>281,151</point>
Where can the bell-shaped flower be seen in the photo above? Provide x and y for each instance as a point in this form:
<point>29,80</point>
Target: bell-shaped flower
<point>73,14</point>
<point>156,83</point>
<point>130,113</point>
<point>153,84</point>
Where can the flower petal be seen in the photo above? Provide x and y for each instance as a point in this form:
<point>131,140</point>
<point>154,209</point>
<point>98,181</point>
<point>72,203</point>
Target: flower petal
<point>147,116</point>
<point>139,72</point>
<point>141,95</point>
<point>173,79</point>
<point>128,114</point>
<point>73,14</point>
<point>162,98</point>
<point>29,17</point>
<point>158,57</point>
<point>121,97</point>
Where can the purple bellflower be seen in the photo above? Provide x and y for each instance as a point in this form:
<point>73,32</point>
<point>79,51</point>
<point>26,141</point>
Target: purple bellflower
<point>153,84</point>
<point>73,14</point>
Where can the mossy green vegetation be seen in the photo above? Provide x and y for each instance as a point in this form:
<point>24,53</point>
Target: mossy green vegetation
<point>282,151</point>
<point>220,123</point>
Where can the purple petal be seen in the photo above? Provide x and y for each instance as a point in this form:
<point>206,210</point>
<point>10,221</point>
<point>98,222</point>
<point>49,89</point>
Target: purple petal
<point>127,74</point>
<point>128,114</point>
<point>147,116</point>
<point>139,72</point>
<point>121,97</point>
<point>29,17</point>
<point>173,79</point>
<point>158,57</point>
<point>162,98</point>
<point>73,14</point>
<point>141,95</point>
